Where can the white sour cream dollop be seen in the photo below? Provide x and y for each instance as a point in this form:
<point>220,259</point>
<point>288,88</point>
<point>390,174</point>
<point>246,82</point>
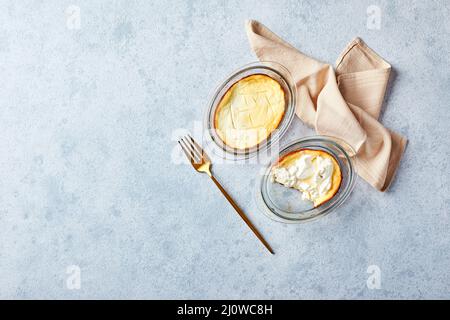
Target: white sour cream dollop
<point>310,174</point>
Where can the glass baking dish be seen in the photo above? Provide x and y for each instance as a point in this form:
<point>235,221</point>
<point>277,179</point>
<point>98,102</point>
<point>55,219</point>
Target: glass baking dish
<point>285,204</point>
<point>276,72</point>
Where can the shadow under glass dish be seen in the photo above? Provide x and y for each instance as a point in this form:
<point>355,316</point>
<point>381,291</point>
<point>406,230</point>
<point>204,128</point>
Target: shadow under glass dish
<point>286,204</point>
<point>271,69</point>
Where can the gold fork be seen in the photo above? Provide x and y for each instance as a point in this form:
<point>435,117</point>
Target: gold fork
<point>201,162</point>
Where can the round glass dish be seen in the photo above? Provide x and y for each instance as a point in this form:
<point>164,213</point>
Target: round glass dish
<point>285,204</point>
<point>275,71</point>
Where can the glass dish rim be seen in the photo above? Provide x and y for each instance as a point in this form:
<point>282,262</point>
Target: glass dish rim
<point>337,142</point>
<point>238,154</point>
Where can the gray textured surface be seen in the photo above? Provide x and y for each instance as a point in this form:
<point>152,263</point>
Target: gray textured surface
<point>88,118</point>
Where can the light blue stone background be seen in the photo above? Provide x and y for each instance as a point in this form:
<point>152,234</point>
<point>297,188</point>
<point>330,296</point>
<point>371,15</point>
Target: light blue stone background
<point>88,119</point>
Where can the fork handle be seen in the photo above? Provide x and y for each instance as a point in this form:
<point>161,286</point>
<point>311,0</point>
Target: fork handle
<point>242,214</point>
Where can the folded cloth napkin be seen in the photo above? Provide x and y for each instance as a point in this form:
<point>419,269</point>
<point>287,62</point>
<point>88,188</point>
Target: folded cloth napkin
<point>345,104</point>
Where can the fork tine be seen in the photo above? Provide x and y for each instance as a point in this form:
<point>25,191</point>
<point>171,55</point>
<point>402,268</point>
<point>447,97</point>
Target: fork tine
<point>198,148</point>
<point>196,158</point>
<point>197,155</point>
<point>186,152</point>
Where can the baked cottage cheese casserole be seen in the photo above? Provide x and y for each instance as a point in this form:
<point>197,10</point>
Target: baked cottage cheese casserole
<point>315,173</point>
<point>249,111</point>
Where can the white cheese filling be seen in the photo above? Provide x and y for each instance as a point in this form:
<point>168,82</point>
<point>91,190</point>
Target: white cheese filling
<point>310,174</point>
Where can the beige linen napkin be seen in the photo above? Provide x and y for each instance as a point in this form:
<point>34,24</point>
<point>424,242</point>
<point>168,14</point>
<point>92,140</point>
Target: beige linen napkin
<point>345,104</point>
